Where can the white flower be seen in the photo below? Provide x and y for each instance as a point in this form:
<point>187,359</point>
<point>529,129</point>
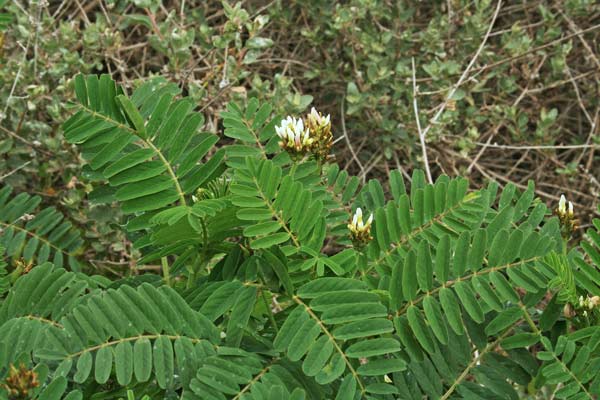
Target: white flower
<point>589,302</point>
<point>562,204</point>
<point>293,134</point>
<point>570,209</point>
<point>318,119</point>
<point>358,225</point>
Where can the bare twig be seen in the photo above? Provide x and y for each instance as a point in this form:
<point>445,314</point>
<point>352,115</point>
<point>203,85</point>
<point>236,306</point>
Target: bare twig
<point>420,131</point>
<point>579,99</point>
<point>372,164</point>
<point>83,13</point>
<point>442,107</point>
<point>591,120</point>
<point>354,156</point>
<point>399,166</point>
<point>539,147</point>
<point>465,72</point>
<point>17,77</point>
<point>576,30</point>
<point>562,82</point>
<point>14,170</point>
<point>37,22</point>
<point>501,123</point>
<point>31,144</point>
<point>525,53</point>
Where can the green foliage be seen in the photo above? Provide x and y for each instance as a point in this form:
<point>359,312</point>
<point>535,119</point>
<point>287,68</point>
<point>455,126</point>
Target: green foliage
<point>532,88</point>
<point>5,18</point>
<point>36,237</point>
<point>263,295</point>
<point>4,278</point>
<point>146,167</point>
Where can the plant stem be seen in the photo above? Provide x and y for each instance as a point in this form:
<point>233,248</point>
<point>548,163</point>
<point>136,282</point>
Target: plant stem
<point>16,273</point>
<point>192,271</point>
<point>202,257</point>
<point>293,169</point>
<point>165,271</point>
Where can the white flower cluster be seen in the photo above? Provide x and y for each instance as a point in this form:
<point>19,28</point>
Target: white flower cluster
<point>562,206</point>
<point>293,135</point>
<point>586,304</point>
<point>589,302</point>
<point>310,135</point>
<point>358,227</point>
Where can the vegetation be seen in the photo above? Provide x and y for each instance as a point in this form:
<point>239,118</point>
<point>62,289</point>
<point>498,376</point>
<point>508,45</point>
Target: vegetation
<point>174,223</point>
<point>267,290</point>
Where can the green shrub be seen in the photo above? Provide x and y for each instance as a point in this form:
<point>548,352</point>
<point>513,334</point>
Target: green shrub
<point>273,287</point>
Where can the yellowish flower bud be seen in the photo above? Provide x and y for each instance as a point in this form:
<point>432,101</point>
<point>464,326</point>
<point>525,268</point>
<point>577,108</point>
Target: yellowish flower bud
<point>320,128</point>
<point>568,311</point>
<point>570,211</point>
<point>566,216</point>
<point>562,204</point>
<point>359,229</point>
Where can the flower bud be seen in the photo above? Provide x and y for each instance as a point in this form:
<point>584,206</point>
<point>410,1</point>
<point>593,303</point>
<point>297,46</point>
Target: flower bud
<point>570,212</point>
<point>568,311</point>
<point>562,204</point>
<point>20,382</point>
<point>359,229</point>
<point>566,216</point>
<point>320,128</point>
